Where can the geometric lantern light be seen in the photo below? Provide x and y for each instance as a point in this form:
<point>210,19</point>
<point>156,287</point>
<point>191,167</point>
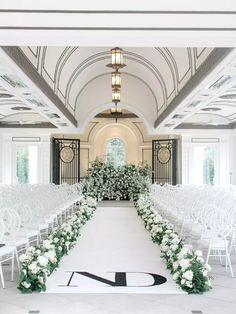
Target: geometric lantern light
<point>117,58</point>
<point>116,80</point>
<point>115,95</point>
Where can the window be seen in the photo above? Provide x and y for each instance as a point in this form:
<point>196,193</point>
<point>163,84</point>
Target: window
<point>27,164</point>
<point>116,152</point>
<point>205,165</point>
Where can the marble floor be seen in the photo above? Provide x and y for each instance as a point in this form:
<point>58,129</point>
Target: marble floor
<point>221,299</point>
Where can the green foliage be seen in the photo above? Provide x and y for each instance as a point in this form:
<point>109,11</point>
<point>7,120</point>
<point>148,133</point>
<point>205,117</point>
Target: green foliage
<point>40,261</point>
<point>187,266</point>
<point>105,181</point>
<point>22,164</point>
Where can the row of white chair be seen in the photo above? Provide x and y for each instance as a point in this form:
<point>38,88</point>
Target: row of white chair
<point>28,213</point>
<point>205,216</point>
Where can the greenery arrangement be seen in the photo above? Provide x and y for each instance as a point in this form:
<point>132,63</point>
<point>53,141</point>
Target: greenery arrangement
<point>40,261</point>
<point>186,265</point>
<point>104,181</point>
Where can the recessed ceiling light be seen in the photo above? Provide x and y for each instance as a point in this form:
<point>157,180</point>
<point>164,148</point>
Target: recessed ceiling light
<point>228,96</point>
<point>211,109</point>
<point>53,115</point>
<point>195,104</point>
<point>220,82</point>
<point>4,95</point>
<point>63,124</point>
<point>178,116</point>
<point>21,108</point>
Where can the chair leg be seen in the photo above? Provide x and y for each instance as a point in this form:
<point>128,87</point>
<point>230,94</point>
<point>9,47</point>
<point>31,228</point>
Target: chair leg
<point>1,275</point>
<point>12,266</point>
<point>229,261</point>
<point>17,260</point>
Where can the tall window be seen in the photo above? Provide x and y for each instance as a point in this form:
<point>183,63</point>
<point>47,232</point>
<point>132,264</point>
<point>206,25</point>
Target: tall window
<point>27,164</point>
<point>116,152</point>
<point>205,165</point>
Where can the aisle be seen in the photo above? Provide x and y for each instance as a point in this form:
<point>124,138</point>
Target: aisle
<point>114,254</point>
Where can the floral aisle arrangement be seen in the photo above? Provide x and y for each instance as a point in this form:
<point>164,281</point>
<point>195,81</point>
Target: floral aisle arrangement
<point>186,265</point>
<point>105,181</point>
<point>40,261</point>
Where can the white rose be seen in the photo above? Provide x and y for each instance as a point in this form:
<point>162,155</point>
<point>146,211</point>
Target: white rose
<point>174,247</point>
<point>35,270</point>
<point>55,240</point>
<point>188,284</point>
<point>198,253</point>
<point>205,273</point>
<point>40,279</point>
<point>208,267</point>
<point>23,258</point>
<point>200,259</point>
<point>43,261</point>
<point>26,284</point>
<point>183,281</point>
<point>184,263</point>
<point>32,266</point>
<point>175,265</point>
<point>176,275</point>
<point>47,244</point>
<point>188,275</point>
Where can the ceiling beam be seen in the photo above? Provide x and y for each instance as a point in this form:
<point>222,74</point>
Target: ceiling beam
<point>215,58</point>
<point>25,65</point>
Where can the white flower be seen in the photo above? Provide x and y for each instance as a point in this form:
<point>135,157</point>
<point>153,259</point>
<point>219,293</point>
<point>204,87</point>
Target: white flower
<point>55,240</point>
<point>26,284</point>
<point>33,266</point>
<point>205,273</point>
<point>175,265</point>
<point>208,267</point>
<point>40,279</point>
<point>23,258</point>
<point>47,244</point>
<point>200,259</point>
<point>183,281</point>
<point>188,284</point>
<point>188,275</point>
<point>184,263</point>
<point>43,261</point>
<point>31,249</point>
<point>164,248</point>
<point>176,275</point>
<point>198,253</point>
<point>51,256</point>
<point>174,247</point>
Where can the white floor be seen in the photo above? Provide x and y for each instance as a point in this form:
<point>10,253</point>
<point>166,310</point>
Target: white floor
<point>113,241</point>
<point>222,299</point>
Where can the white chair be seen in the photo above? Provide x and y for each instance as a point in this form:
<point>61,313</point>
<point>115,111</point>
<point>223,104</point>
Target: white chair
<point>7,253</point>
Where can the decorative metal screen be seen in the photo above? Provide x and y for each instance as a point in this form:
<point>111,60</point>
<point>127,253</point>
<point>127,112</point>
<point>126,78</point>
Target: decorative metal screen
<point>164,155</point>
<point>65,161</point>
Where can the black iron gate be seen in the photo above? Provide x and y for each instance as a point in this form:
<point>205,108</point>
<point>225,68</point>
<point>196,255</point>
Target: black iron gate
<point>65,160</point>
<point>164,161</point>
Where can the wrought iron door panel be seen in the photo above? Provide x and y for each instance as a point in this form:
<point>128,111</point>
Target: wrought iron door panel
<point>65,161</point>
<point>164,161</point>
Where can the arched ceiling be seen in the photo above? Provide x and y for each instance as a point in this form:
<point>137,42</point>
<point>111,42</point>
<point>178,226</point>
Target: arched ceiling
<point>150,81</point>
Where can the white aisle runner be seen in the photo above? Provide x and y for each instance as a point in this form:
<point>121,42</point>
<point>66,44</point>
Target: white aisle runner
<point>114,254</point>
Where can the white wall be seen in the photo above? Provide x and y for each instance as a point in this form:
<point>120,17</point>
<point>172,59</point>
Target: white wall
<point>7,156</point>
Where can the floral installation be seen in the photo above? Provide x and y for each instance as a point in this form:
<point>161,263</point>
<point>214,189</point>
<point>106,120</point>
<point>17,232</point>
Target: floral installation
<point>40,261</point>
<point>105,181</point>
<point>186,265</point>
